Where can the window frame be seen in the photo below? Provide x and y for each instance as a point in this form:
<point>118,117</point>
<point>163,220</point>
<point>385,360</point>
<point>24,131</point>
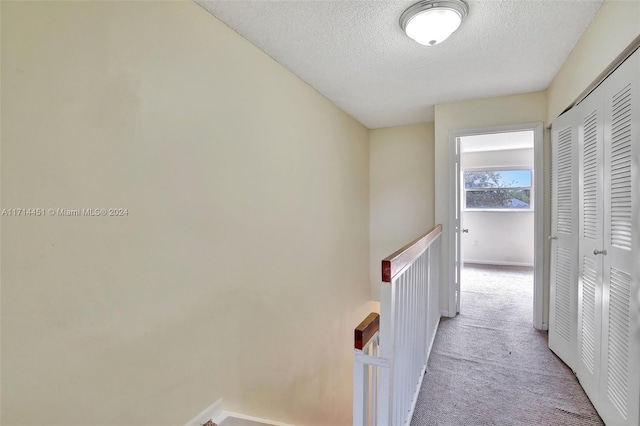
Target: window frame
<point>499,169</point>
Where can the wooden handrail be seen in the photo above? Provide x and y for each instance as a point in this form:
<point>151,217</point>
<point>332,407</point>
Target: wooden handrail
<point>365,330</point>
<point>407,254</point>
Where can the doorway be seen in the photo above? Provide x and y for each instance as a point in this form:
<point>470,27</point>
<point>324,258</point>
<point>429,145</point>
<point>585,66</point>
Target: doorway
<point>496,223</point>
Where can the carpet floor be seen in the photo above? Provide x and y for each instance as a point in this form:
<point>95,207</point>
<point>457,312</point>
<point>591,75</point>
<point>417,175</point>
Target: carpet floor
<point>489,366</point>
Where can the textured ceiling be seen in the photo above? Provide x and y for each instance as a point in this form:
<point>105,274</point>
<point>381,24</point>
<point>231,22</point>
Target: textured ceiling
<point>354,52</point>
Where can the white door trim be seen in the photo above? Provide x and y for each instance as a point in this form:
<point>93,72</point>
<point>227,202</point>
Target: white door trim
<point>538,152</point>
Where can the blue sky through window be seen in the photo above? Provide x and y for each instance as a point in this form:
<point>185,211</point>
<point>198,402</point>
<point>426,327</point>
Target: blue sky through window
<point>516,178</point>
<point>497,179</point>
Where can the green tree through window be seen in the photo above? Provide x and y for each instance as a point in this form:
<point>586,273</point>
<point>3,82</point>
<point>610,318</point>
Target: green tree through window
<point>498,189</point>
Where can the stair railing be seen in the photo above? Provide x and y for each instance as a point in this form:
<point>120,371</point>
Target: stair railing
<point>391,350</point>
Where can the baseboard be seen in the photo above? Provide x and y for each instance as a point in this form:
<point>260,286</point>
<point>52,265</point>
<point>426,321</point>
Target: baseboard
<point>211,412</point>
<point>228,414</point>
<point>216,414</point>
<point>498,263</point>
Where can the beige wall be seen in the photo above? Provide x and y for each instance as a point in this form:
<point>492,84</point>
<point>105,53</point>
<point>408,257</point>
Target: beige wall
<point>476,114</point>
<point>401,190</point>
<point>614,27</point>
<point>242,266</point>
<point>498,237</point>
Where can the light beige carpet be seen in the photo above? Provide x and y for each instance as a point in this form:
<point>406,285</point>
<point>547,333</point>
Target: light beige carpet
<point>489,366</point>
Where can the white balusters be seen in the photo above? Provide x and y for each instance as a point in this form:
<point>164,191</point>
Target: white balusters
<point>388,371</point>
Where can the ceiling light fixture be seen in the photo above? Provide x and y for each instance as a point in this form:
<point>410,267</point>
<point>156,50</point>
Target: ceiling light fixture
<point>430,22</point>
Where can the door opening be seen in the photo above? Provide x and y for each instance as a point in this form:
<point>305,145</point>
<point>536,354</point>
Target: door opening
<point>496,211</point>
<point>496,219</point>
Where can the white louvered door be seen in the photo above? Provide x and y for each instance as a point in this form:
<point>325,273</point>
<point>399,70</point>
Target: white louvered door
<point>590,235</point>
<point>563,308</point>
<point>620,351</point>
<point>606,354</point>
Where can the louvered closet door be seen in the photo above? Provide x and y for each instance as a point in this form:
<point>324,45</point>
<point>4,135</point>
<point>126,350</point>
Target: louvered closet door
<point>590,236</point>
<point>563,308</point>
<point>620,380</point>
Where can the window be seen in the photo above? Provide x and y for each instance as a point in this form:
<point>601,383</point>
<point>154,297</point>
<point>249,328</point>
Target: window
<point>498,189</point>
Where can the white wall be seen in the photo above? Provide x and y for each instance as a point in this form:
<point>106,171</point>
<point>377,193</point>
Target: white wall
<point>498,237</point>
<point>243,264</point>
<point>475,114</point>
<point>401,191</point>
<point>614,27</point>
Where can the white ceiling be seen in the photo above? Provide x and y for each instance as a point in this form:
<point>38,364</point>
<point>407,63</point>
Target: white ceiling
<point>497,141</point>
<point>354,52</point>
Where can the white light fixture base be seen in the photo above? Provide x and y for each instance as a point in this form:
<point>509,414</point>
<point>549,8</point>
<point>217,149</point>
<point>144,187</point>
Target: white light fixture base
<point>430,22</point>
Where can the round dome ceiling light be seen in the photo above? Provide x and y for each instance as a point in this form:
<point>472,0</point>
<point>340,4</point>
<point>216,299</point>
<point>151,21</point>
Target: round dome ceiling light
<point>430,22</point>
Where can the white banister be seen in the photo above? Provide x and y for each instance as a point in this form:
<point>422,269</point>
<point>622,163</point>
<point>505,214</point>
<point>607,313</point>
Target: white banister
<point>391,361</point>
<point>366,364</point>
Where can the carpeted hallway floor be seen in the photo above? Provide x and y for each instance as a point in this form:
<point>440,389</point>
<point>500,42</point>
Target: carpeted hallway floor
<point>489,366</point>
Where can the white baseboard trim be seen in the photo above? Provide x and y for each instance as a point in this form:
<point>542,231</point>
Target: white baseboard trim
<point>227,414</point>
<point>216,414</point>
<point>211,412</point>
<point>545,327</point>
<point>498,263</point>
